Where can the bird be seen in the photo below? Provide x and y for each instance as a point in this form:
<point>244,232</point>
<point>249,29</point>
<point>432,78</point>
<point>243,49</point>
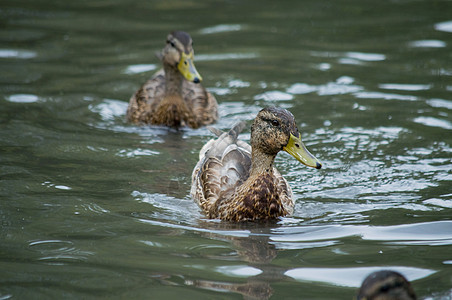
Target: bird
<point>386,285</point>
<point>234,181</point>
<point>173,96</point>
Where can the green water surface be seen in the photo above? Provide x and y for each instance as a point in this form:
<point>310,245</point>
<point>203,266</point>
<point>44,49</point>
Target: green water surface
<point>93,207</point>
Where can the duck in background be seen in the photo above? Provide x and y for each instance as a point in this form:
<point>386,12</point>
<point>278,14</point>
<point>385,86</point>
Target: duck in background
<point>173,96</point>
<point>386,285</point>
<point>235,181</point>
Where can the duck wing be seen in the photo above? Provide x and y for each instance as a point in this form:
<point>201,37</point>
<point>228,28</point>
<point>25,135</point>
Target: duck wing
<point>224,164</point>
<point>286,194</point>
<point>202,103</point>
<point>142,104</point>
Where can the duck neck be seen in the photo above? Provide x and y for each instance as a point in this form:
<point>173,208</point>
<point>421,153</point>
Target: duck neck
<point>173,80</point>
<point>261,163</point>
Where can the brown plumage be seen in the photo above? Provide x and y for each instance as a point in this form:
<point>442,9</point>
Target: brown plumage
<point>386,285</point>
<point>235,181</point>
<point>173,96</point>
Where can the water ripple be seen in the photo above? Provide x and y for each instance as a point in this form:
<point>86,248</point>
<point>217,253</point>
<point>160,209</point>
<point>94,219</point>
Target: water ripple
<point>274,96</point>
<point>22,98</point>
<point>232,233</point>
<point>439,202</point>
<point>434,122</point>
<point>58,251</point>
<point>57,186</point>
<point>366,56</point>
<point>427,44</point>
<point>221,28</point>
<point>20,54</point>
<point>110,109</point>
<point>422,232</point>
<point>385,96</point>
<point>225,56</point>
<point>440,103</point>
<point>135,69</point>
<point>404,87</point>
<point>444,26</point>
<point>342,85</point>
<point>238,271</point>
<point>137,152</point>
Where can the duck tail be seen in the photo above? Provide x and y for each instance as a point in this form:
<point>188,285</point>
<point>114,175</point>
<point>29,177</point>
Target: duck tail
<point>233,132</point>
<point>236,129</point>
<point>215,130</point>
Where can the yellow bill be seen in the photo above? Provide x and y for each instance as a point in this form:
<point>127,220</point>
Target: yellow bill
<point>187,68</point>
<point>297,149</point>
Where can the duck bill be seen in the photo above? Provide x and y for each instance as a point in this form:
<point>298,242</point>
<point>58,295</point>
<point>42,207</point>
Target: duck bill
<point>187,68</point>
<point>297,149</point>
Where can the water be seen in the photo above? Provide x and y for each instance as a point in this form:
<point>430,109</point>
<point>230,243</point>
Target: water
<point>92,207</point>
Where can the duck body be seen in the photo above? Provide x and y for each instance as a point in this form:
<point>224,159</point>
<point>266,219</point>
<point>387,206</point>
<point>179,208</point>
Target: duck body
<point>260,197</point>
<point>235,181</point>
<point>173,96</point>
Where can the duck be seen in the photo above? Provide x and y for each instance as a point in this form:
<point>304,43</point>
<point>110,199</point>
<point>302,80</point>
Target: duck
<point>386,285</point>
<point>173,96</point>
<point>236,181</point>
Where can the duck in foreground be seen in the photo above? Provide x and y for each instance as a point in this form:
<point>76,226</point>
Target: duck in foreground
<point>386,285</point>
<point>173,96</point>
<point>237,182</point>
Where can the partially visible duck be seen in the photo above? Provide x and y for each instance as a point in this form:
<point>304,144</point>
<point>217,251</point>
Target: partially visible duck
<point>386,285</point>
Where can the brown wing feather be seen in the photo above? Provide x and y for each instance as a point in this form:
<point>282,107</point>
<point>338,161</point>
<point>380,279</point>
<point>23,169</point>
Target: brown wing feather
<point>203,104</point>
<point>223,166</point>
<point>142,104</point>
<point>286,192</point>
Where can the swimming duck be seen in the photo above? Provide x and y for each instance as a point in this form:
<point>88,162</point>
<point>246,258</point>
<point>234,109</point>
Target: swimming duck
<point>235,181</point>
<point>386,285</point>
<point>173,96</point>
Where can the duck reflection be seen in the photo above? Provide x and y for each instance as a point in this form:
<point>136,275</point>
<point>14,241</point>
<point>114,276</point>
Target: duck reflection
<point>250,290</point>
<point>255,249</point>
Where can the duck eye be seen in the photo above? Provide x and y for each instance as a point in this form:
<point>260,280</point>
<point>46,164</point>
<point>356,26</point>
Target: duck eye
<point>275,122</point>
<point>171,43</point>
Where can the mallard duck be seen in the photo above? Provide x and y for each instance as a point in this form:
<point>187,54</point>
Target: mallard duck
<point>173,96</point>
<point>237,182</point>
<point>386,285</point>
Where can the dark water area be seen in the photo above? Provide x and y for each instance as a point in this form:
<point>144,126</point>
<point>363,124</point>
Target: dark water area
<point>94,207</point>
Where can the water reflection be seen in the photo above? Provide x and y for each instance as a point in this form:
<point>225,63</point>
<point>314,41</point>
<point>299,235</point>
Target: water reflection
<point>343,85</point>
<point>225,56</point>
<point>404,87</point>
<point>135,69</point>
<point>385,96</point>
<point>251,267</point>
<point>444,26</point>
<point>255,250</point>
<point>251,290</point>
<point>428,44</point>
<point>22,98</point>
<point>435,122</point>
<point>221,28</point>
<point>20,54</point>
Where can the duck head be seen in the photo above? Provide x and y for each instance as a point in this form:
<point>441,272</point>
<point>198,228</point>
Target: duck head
<point>274,129</point>
<point>386,285</point>
<point>179,54</point>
